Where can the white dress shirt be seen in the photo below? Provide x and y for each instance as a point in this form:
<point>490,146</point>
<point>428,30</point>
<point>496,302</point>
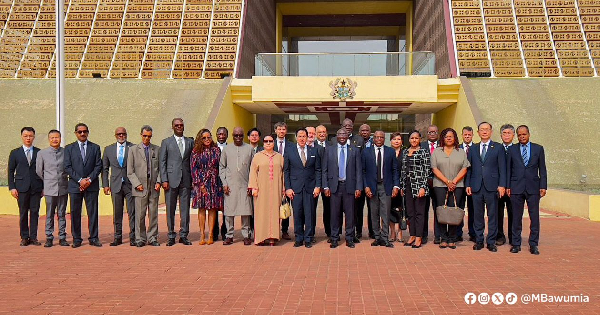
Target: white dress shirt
<point>487,146</point>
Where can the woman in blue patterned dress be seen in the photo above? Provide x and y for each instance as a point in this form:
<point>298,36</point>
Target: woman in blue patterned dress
<point>207,193</point>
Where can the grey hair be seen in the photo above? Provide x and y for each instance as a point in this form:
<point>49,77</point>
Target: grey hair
<point>507,126</point>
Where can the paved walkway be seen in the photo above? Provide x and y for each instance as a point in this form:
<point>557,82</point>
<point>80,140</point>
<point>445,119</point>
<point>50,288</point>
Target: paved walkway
<point>276,280</point>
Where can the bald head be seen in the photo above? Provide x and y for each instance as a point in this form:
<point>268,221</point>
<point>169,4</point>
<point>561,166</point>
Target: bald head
<point>238,136</point>
<point>121,134</point>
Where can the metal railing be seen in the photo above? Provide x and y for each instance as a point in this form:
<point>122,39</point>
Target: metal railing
<point>340,64</point>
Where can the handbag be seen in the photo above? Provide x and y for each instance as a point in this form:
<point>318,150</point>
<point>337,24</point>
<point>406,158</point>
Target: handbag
<point>403,218</point>
<point>285,210</point>
<point>450,215</point>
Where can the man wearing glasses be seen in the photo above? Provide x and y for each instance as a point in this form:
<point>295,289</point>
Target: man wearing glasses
<point>430,144</point>
<point>114,160</point>
<point>83,164</point>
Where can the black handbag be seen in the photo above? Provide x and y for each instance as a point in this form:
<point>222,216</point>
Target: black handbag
<point>403,217</point>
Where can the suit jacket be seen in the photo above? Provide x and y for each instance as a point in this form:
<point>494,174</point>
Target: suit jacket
<point>287,144</point>
<point>50,167</point>
<point>530,178</point>
<point>258,149</point>
<point>353,166</point>
<point>357,141</point>
<point>77,169</point>
<point>21,174</point>
<point>110,162</point>
<point>173,168</point>
<point>137,170</point>
<point>391,174</point>
<point>489,174</point>
<point>297,176</point>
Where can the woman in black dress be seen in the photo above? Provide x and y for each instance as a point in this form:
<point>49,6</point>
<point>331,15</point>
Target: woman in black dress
<point>397,208</point>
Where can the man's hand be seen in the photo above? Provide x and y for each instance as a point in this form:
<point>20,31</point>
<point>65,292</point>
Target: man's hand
<point>165,185</point>
<point>508,192</point>
<point>14,193</point>
<point>395,192</point>
<point>542,192</point>
<point>139,188</point>
<point>226,190</point>
<point>157,187</point>
<point>501,191</point>
<point>107,190</point>
<point>316,192</point>
<point>290,194</point>
<point>357,194</point>
<point>327,192</point>
<point>368,192</point>
<point>469,193</point>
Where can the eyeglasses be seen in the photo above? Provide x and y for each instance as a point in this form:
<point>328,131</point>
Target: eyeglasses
<point>268,141</point>
<point>431,132</point>
<point>146,136</point>
<point>121,134</point>
<point>81,132</point>
<point>178,125</point>
<point>238,136</point>
<point>206,138</point>
<point>379,137</point>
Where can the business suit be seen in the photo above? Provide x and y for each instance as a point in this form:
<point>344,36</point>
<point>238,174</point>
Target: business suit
<point>484,177</point>
<point>503,202</point>
<point>325,200</point>
<point>342,188</point>
<point>23,178</point>
<point>175,169</point>
<point>147,199</point>
<point>525,182</point>
<point>120,188</point>
<point>430,200</point>
<point>77,168</point>
<point>50,168</point>
<point>381,189</point>
<point>302,179</point>
<point>285,223</point>
<point>468,201</point>
<point>359,203</point>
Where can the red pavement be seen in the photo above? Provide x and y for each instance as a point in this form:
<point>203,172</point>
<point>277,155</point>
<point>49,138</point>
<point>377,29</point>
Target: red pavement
<point>275,280</point>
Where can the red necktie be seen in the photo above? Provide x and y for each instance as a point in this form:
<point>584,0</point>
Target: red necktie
<point>432,148</point>
<point>467,148</point>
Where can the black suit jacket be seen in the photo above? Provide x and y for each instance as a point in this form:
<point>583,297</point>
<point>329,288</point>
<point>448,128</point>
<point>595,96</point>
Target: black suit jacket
<point>353,166</point>
<point>77,169</point>
<point>489,174</point>
<point>530,178</point>
<point>297,176</point>
<point>357,141</point>
<point>22,175</point>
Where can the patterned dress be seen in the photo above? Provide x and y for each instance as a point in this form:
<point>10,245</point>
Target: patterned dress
<point>205,172</point>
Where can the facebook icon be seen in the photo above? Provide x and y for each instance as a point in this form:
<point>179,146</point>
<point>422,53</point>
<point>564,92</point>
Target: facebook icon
<point>470,298</point>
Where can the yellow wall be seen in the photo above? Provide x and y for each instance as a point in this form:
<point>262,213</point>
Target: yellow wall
<point>456,116</point>
<point>231,116</point>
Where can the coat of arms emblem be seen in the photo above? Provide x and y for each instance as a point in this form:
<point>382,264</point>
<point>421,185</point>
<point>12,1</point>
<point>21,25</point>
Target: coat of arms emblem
<point>343,89</point>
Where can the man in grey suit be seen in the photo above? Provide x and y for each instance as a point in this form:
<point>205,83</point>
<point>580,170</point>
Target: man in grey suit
<point>50,168</point>
<point>144,175</point>
<point>175,172</point>
<point>430,144</point>
<point>114,160</point>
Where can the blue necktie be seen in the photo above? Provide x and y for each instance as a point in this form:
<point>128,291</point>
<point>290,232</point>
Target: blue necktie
<point>342,164</point>
<point>524,155</point>
<point>121,155</point>
<point>484,152</point>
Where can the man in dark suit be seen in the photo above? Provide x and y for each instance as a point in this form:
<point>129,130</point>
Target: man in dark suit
<point>324,143</point>
<point>281,145</point>
<point>302,178</point>
<point>83,164</point>
<point>381,178</point>
<point>114,161</point>
<point>486,179</point>
<point>175,173</point>
<point>310,141</point>
<point>430,144</point>
<point>527,181</point>
<point>359,204</point>
<point>467,136</point>
<point>353,139</point>
<point>507,133</point>
<point>342,181</point>
<point>253,138</point>
<point>26,186</point>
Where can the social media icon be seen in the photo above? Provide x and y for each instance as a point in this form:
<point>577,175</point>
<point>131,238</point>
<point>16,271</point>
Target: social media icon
<point>511,298</point>
<point>470,298</point>
<point>483,298</point>
<point>497,298</point>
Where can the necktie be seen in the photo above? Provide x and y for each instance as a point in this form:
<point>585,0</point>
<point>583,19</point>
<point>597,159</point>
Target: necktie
<point>484,152</point>
<point>82,147</point>
<point>524,155</point>
<point>147,152</point>
<point>505,148</point>
<point>121,154</point>
<point>342,164</point>
<point>432,148</point>
<point>280,147</point>
<point>467,147</point>
<point>303,156</point>
<point>28,154</point>
<point>180,145</point>
<point>379,174</point>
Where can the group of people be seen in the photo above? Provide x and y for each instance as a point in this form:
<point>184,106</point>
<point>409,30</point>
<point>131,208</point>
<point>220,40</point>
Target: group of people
<point>397,183</point>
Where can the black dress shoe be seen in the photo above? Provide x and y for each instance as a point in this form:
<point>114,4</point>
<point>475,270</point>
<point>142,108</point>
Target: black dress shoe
<point>389,245</point>
<point>34,242</point>
<point>285,236</point>
<point>350,244</point>
<point>76,244</point>
<point>298,243</point>
<point>515,249</point>
<point>228,241</point>
<point>116,242</point>
<point>155,243</point>
<point>356,240</point>
<point>333,244</point>
<point>534,250</point>
<point>437,241</point>
<point>424,241</point>
<point>501,241</point>
<point>96,243</point>
<point>375,243</point>
<point>131,243</point>
<point>24,242</point>
<point>308,244</point>
<point>478,246</point>
<point>492,248</point>
<point>63,243</point>
<point>171,242</point>
<point>48,243</point>
<point>140,244</point>
<point>329,240</point>
<point>185,241</point>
